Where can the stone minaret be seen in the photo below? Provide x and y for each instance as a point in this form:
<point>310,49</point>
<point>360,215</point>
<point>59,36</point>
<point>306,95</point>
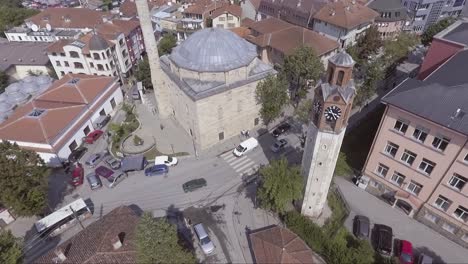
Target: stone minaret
<point>157,76</point>
<point>332,105</point>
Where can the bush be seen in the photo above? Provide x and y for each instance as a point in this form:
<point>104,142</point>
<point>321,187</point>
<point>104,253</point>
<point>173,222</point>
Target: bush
<point>137,140</point>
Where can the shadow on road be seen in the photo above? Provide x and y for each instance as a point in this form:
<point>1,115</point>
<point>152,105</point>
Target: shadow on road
<point>177,218</point>
<point>59,187</point>
<point>426,251</point>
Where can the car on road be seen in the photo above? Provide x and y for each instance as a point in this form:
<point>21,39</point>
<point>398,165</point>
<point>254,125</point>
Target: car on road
<point>406,252</point>
<point>116,178</point>
<point>281,129</point>
<point>166,160</point>
<point>113,163</point>
<point>193,185</point>
<point>361,226</point>
<point>94,159</point>
<point>156,170</point>
<point>93,136</point>
<point>76,154</point>
<point>279,145</point>
<point>94,181</point>
<point>77,175</point>
<point>383,239</point>
<point>203,238</point>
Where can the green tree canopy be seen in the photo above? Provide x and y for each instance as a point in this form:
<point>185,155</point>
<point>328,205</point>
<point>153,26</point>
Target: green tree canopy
<point>432,30</point>
<point>301,68</point>
<point>10,248</point>
<point>367,45</point>
<point>4,80</point>
<point>11,16</point>
<point>23,180</point>
<point>397,50</point>
<point>143,73</point>
<point>272,95</point>
<point>281,185</point>
<point>166,44</point>
<point>303,111</point>
<point>157,242</point>
<point>373,74</point>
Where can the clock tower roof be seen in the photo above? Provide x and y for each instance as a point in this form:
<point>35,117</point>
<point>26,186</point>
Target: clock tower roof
<point>346,92</point>
<point>342,59</point>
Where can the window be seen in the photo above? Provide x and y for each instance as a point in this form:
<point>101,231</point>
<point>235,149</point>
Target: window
<point>427,166</point>
<point>230,17</point>
<point>442,203</point>
<point>420,134</point>
<point>449,228</point>
<point>408,157</point>
<point>107,66</point>
<point>126,62</point>
<point>86,130</point>
<point>391,149</point>
<point>96,56</point>
<point>57,63</point>
<point>78,65</point>
<point>73,145</point>
<point>91,65</point>
<point>221,136</point>
<point>100,67</point>
<point>339,80</point>
<point>381,170</point>
<point>398,178</point>
<point>62,73</point>
<point>102,112</point>
<point>414,188</point>
<point>74,54</point>
<point>440,142</point>
<point>66,64</point>
<point>121,42</point>
<point>231,25</point>
<point>222,19</point>
<point>256,121</point>
<point>457,181</point>
<point>124,53</point>
<point>401,126</point>
<point>112,102</point>
<point>431,217</point>
<point>461,213</point>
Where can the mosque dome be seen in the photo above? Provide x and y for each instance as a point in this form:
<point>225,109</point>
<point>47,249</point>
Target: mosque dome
<point>213,50</point>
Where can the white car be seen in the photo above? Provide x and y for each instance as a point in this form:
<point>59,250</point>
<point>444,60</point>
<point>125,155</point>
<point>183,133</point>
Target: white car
<point>166,160</point>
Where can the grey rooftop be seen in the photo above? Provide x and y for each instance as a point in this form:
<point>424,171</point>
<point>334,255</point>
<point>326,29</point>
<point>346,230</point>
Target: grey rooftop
<point>342,59</point>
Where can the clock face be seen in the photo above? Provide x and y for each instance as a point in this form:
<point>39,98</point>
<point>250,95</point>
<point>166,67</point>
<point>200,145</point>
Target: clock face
<point>332,113</point>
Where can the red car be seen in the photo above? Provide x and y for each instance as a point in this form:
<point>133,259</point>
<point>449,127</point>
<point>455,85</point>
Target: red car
<point>77,175</point>
<point>406,252</point>
<point>93,136</point>
<point>104,172</point>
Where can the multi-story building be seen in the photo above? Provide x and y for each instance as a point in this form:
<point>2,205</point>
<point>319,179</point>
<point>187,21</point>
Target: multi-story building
<point>419,158</point>
<point>297,12</point>
<point>112,50</point>
<point>427,12</point>
<point>392,17</point>
<point>20,59</point>
<point>228,16</point>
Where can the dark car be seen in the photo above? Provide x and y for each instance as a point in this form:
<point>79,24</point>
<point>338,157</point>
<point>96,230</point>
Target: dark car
<point>113,163</point>
<point>155,170</point>
<point>77,175</point>
<point>281,129</point>
<point>279,145</point>
<point>77,154</point>
<point>361,226</point>
<point>93,136</point>
<point>104,172</point>
<point>194,184</point>
<point>94,181</point>
<point>383,239</point>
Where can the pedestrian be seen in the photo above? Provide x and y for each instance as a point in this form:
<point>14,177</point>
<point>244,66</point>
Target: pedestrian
<point>247,133</point>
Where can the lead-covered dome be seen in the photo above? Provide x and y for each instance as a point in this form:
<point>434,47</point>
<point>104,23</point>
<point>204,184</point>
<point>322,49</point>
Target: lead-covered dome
<point>343,59</point>
<point>213,50</point>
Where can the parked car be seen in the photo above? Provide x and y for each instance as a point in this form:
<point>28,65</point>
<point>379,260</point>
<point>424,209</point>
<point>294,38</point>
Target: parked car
<point>101,121</point>
<point>281,129</point>
<point>116,178</point>
<point>203,238</point>
<point>166,160</point>
<point>93,136</point>
<point>103,171</point>
<point>113,163</point>
<point>192,185</point>
<point>77,175</point>
<point>361,226</point>
<point>383,239</point>
<point>134,163</point>
<point>406,252</point>
<point>94,181</point>
<point>279,145</point>
<point>76,154</point>
<point>245,146</point>
<point>424,259</point>
<point>155,170</point>
<point>94,159</point>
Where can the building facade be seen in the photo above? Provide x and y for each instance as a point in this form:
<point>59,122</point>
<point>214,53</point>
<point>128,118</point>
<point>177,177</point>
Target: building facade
<point>227,17</point>
<point>20,59</point>
<point>392,17</point>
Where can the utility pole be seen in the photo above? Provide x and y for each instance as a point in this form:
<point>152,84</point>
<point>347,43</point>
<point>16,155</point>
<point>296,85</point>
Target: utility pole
<point>77,217</point>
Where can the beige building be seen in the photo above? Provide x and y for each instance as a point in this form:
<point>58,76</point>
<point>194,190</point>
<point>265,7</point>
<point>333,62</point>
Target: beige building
<point>211,80</point>
<point>392,17</point>
<point>228,16</point>
<point>419,158</point>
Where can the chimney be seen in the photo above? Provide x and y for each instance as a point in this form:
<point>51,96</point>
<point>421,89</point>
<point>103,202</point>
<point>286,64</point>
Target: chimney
<point>116,242</point>
<point>60,255</point>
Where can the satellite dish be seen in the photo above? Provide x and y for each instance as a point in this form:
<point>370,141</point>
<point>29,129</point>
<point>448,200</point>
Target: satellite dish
<point>48,27</point>
<point>34,27</point>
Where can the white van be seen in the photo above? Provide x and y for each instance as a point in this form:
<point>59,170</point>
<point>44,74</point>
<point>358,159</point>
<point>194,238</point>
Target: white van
<point>245,147</point>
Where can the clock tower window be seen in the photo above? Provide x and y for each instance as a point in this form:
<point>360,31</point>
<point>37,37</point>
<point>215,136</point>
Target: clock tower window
<point>339,79</point>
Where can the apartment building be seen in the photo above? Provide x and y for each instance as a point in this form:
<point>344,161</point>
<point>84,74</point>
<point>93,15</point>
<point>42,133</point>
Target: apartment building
<point>392,19</point>
<point>111,50</point>
<point>228,16</point>
<point>419,158</point>
<point>427,12</point>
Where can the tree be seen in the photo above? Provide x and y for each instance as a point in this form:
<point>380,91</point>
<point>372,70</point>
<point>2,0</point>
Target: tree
<point>272,94</point>
<point>397,50</point>
<point>143,73</point>
<point>10,248</point>
<point>432,30</point>
<point>166,44</point>
<point>367,45</point>
<point>342,167</point>
<point>13,16</point>
<point>304,111</point>
<point>157,242</point>
<point>374,73</point>
<point>23,180</point>
<point>281,185</point>
<point>4,80</point>
<point>301,68</point>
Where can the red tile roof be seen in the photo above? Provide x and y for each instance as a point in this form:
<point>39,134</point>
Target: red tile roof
<point>128,8</point>
<point>69,18</point>
<point>65,104</point>
<point>234,10</point>
<point>93,244</point>
<point>201,7</point>
<point>346,14</point>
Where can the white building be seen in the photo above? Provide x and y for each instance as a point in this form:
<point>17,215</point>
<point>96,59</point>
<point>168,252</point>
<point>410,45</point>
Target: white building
<point>227,17</point>
<point>52,120</point>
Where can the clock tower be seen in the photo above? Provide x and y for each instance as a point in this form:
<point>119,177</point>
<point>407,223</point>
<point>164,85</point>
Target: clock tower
<point>333,98</point>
